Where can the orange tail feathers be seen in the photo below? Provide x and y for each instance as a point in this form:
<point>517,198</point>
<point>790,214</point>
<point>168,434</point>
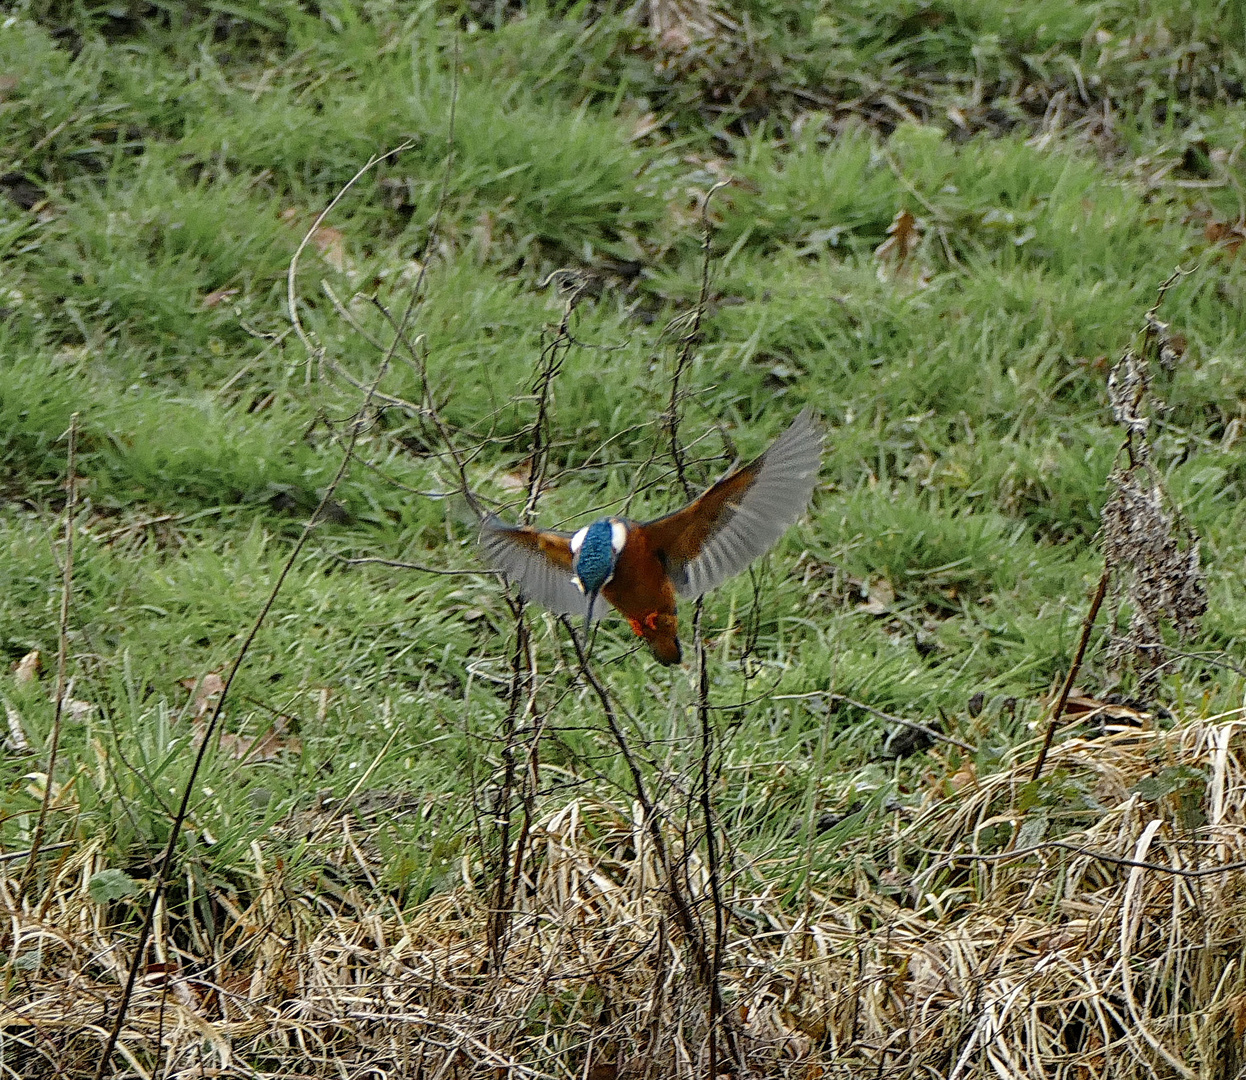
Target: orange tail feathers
<point>662,634</point>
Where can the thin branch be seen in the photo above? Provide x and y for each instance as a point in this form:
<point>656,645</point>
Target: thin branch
<point>1100,856</point>
<point>62,652</point>
<point>688,922</point>
<point>430,410</point>
<point>938,736</point>
<point>690,340</point>
<point>14,856</point>
<point>523,684</point>
<point>314,351</point>
<point>175,831</point>
<point>709,778</point>
<point>711,957</point>
<point>1214,659</point>
<point>364,560</point>
<point>210,728</point>
<point>1057,710</point>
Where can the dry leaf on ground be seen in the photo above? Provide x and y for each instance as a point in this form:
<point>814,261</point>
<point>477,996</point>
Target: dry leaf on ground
<point>219,296</point>
<point>206,690</point>
<point>893,253</point>
<point>27,668</point>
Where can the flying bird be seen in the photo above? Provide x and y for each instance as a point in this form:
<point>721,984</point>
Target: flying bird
<point>641,567</point>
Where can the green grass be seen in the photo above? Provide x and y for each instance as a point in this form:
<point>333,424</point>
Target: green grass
<point>969,436</point>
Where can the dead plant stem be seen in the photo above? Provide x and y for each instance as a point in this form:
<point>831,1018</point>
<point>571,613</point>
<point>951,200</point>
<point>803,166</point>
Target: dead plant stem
<point>62,654</point>
<point>689,925</point>
<point>162,871</point>
<point>357,427</point>
<point>1062,700</point>
<point>521,697</point>
<point>690,340</point>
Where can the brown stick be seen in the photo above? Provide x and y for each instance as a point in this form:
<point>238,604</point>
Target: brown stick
<point>1058,711</point>
<point>690,341</point>
<point>62,654</point>
<point>689,924</point>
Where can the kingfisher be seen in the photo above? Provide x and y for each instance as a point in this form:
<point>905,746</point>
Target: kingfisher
<point>641,567</point>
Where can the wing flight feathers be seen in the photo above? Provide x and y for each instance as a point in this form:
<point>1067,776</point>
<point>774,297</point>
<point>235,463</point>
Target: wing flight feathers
<point>743,515</point>
<point>538,562</point>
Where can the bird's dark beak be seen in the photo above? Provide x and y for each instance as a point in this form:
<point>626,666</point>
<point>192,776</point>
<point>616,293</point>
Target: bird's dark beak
<point>590,598</point>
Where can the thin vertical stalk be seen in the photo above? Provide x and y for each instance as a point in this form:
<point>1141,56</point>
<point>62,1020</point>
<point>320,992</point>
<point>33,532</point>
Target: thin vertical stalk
<point>1062,700</point>
<point>62,654</point>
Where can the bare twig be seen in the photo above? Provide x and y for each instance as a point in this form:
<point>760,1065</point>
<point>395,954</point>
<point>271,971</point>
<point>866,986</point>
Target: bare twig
<point>175,830</point>
<point>62,652</point>
<point>1099,856</point>
<point>711,975</point>
<point>365,560</point>
<point>210,728</point>
<point>522,680</point>
<point>684,916</point>
<point>1156,554</point>
<point>315,352</point>
<point>1057,710</point>
<point>690,340</point>
<point>14,856</point>
<point>522,693</point>
<point>932,733</point>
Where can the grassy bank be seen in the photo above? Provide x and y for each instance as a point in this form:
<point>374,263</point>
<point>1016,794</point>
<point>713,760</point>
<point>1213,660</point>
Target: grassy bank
<point>943,224</point>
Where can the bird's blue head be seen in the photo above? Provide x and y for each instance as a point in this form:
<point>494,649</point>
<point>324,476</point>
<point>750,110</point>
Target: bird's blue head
<point>596,551</point>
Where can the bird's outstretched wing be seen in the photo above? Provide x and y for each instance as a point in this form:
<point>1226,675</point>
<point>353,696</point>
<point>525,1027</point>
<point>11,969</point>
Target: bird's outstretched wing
<point>743,515</point>
<point>538,562</point>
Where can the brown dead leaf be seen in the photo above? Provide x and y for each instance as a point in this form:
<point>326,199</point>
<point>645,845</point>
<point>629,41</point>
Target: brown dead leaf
<point>27,668</point>
<point>1080,704</point>
<point>881,597</point>
<point>675,39</point>
<point>219,296</point>
<point>1228,234</point>
<point>1238,1006</point>
<point>964,777</point>
<point>168,975</point>
<point>515,480</point>
<point>645,124</point>
<point>677,25</point>
<point>603,1070</point>
<point>157,973</point>
<point>268,747</point>
<point>331,243</point>
<point>903,237</point>
<point>328,241</point>
<point>206,691</point>
<point>811,1026</point>
<point>77,711</point>
<point>482,235</point>
<point>16,742</point>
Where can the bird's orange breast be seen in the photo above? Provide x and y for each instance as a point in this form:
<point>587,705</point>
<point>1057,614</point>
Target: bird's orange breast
<point>644,595</point>
<point>639,586</point>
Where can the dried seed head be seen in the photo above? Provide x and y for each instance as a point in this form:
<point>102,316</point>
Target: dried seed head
<point>1171,347</point>
<point>1157,561</point>
<point>1128,385</point>
<point>1154,558</point>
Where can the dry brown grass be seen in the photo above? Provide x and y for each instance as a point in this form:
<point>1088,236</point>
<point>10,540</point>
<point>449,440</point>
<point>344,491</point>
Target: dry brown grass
<point>977,938</point>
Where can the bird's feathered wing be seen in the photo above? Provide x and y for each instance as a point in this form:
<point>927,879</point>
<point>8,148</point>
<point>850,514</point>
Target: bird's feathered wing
<point>538,562</point>
<point>743,515</point>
